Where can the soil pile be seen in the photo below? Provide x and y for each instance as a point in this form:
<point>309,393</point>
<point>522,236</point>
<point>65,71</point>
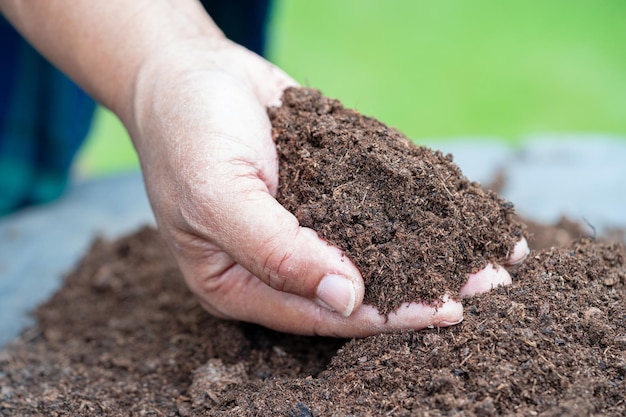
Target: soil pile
<point>400,212</point>
<point>124,336</point>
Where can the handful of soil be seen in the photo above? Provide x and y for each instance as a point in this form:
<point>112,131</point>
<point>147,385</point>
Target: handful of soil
<point>406,216</point>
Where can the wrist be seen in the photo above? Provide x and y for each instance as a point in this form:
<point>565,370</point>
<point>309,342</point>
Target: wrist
<point>155,49</point>
<point>102,45</point>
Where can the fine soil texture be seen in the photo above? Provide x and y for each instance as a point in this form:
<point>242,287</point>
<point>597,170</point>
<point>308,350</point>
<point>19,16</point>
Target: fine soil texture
<point>124,337</point>
<point>400,212</point>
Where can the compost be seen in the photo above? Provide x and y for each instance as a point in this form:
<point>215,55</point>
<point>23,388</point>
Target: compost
<point>401,212</point>
<point>123,336</point>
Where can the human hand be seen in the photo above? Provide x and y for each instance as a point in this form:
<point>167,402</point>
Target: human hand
<point>200,125</point>
<point>194,104</point>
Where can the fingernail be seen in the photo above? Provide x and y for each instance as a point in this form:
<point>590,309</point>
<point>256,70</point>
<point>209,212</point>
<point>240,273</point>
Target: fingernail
<point>336,293</point>
<point>447,323</point>
<point>520,252</point>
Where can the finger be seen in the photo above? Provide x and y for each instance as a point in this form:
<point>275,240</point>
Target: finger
<point>253,301</point>
<point>268,241</point>
<point>519,253</point>
<point>418,316</point>
<point>494,275</point>
<point>367,320</point>
<point>485,280</point>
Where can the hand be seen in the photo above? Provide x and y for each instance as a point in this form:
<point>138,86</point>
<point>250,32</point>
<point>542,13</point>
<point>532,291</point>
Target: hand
<point>194,104</point>
<point>210,166</point>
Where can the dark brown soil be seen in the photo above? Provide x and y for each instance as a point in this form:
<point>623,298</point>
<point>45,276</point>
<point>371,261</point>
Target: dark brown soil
<point>123,336</point>
<point>400,212</point>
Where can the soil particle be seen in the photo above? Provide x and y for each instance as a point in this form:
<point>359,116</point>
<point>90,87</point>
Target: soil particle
<point>123,336</point>
<point>412,223</point>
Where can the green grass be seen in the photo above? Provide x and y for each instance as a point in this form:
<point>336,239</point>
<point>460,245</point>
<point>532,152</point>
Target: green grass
<point>449,68</point>
<point>108,148</point>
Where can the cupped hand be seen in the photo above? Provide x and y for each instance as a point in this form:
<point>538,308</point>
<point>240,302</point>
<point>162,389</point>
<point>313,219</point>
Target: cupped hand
<point>200,126</point>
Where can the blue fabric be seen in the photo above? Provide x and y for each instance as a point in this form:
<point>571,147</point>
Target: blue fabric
<point>242,21</point>
<point>45,117</point>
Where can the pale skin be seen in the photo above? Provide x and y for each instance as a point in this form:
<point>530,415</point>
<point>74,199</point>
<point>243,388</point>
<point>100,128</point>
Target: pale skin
<point>194,104</point>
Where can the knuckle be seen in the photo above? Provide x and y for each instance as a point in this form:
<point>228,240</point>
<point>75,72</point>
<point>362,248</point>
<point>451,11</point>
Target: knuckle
<point>277,263</point>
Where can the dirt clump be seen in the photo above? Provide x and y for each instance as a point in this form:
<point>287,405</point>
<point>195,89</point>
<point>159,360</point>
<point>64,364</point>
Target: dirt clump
<point>124,336</point>
<point>401,212</point>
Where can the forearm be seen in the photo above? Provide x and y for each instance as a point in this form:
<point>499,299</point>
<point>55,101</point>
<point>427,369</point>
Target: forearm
<point>101,45</point>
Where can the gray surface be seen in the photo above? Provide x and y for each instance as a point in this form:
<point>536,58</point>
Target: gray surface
<point>582,177</point>
<point>39,245</point>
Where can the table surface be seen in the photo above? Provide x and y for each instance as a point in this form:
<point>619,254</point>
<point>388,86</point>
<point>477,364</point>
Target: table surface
<point>582,177</point>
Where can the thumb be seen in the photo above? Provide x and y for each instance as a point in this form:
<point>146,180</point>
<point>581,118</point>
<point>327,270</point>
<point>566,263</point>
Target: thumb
<point>268,241</point>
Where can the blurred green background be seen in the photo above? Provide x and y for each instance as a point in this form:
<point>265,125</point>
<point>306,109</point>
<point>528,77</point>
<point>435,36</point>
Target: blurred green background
<point>439,70</point>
